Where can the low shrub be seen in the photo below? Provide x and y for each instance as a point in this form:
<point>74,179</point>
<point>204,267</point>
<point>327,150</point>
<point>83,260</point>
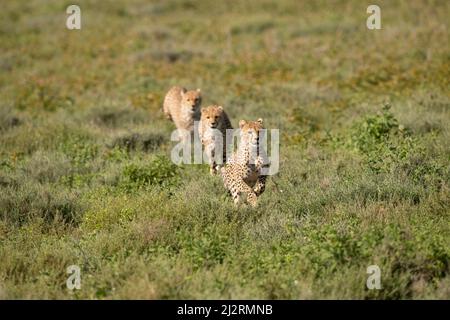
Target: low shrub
<point>387,146</point>
<point>160,172</point>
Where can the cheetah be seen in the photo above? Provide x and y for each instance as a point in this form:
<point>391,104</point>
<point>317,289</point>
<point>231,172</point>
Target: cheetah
<point>213,122</point>
<point>183,108</point>
<point>242,172</point>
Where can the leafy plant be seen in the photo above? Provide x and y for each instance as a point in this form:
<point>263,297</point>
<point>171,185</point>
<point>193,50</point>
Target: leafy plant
<point>79,150</point>
<point>160,172</point>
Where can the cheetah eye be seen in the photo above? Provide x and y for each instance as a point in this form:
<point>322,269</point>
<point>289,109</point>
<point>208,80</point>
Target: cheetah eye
<point>207,117</point>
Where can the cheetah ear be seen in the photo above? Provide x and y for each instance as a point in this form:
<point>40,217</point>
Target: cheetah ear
<point>198,90</point>
<point>260,121</point>
<point>182,93</point>
<point>220,108</point>
<point>242,123</point>
<point>202,109</point>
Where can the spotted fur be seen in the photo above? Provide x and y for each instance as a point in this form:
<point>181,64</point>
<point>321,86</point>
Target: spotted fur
<point>242,173</point>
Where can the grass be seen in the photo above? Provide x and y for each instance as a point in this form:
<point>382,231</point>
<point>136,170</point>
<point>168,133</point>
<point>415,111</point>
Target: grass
<point>85,177</point>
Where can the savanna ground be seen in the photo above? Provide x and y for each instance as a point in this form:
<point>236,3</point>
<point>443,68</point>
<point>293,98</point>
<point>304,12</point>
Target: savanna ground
<point>85,175</point>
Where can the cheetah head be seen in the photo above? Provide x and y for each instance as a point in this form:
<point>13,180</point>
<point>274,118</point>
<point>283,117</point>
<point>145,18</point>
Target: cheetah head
<point>191,100</point>
<point>250,131</point>
<point>211,116</point>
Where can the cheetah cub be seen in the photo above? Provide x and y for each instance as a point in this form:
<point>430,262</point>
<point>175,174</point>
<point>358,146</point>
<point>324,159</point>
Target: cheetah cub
<point>214,123</point>
<point>242,173</point>
<point>183,108</point>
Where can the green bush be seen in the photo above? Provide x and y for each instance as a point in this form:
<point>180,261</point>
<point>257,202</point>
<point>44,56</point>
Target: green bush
<point>205,251</point>
<point>160,172</point>
<point>387,146</point>
<point>381,140</point>
<point>109,213</point>
<point>79,150</point>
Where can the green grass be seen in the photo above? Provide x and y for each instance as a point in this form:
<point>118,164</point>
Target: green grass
<point>364,118</point>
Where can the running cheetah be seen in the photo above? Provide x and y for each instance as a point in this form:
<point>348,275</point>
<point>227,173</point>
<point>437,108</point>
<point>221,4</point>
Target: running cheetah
<point>183,108</point>
<point>214,123</point>
<point>242,173</point>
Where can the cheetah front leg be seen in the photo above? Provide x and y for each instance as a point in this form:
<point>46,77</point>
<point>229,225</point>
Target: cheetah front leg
<point>236,185</point>
<point>213,168</point>
<point>212,161</point>
<point>219,165</point>
<point>260,185</point>
<point>241,187</point>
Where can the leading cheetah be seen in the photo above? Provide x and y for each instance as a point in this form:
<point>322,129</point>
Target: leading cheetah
<point>183,108</point>
<point>242,173</point>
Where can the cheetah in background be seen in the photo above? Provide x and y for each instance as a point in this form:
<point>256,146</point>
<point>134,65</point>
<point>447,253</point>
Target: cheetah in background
<point>213,122</point>
<point>183,107</point>
<point>242,172</point>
